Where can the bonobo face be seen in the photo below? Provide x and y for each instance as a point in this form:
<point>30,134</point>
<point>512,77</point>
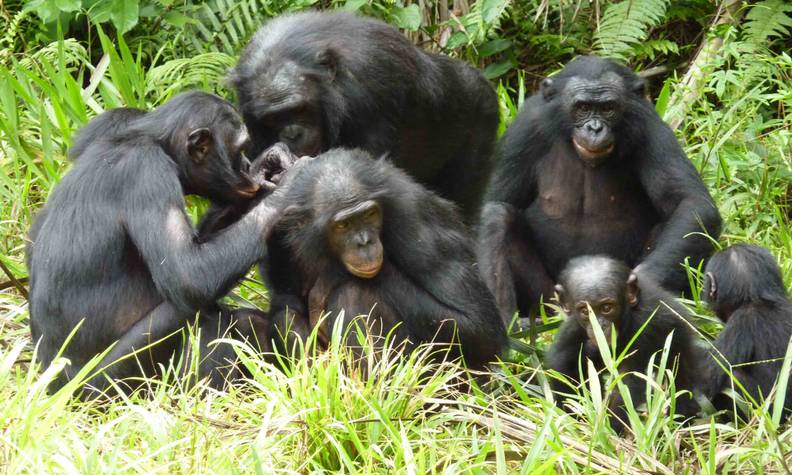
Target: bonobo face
<point>286,108</point>
<point>608,308</point>
<point>354,235</point>
<point>218,166</point>
<point>593,286</point>
<point>595,108</point>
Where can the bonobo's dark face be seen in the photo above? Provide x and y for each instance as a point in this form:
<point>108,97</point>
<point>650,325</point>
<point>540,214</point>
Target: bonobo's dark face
<point>286,107</point>
<point>354,236</point>
<point>592,288</point>
<point>608,307</point>
<point>595,109</point>
<point>218,166</point>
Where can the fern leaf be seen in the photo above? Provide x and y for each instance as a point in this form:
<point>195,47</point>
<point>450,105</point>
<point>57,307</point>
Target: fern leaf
<point>766,20</point>
<point>626,24</point>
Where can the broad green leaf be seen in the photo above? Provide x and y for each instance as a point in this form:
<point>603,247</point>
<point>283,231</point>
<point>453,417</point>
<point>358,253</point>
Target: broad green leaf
<point>494,47</point>
<point>68,5</point>
<point>124,15</point>
<point>498,69</point>
<point>354,5</point>
<point>408,17</point>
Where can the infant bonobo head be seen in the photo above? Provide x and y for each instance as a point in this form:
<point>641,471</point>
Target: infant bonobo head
<point>739,275</point>
<point>601,283</point>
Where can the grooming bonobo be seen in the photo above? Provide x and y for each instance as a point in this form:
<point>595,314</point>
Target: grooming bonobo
<point>114,251</point>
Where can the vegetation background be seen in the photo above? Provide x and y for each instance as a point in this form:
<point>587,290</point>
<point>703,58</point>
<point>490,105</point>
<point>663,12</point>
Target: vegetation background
<point>720,73</point>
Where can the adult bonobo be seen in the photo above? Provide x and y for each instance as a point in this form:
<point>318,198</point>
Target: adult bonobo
<point>114,248</point>
<point>636,309</point>
<point>318,80</point>
<point>744,288</point>
<point>365,238</point>
<point>588,167</point>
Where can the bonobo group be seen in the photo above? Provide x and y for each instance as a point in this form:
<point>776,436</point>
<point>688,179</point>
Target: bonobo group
<point>376,186</point>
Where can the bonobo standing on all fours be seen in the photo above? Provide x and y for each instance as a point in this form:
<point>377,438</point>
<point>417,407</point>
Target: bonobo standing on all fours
<point>114,248</point>
<point>588,167</point>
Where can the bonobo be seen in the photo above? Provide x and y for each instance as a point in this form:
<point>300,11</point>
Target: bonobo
<point>744,288</point>
<point>114,249</point>
<point>588,167</point>
<point>318,80</point>
<point>622,302</point>
<point>366,238</point>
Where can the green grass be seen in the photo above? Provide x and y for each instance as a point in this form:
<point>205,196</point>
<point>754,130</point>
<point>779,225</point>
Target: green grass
<point>410,414</point>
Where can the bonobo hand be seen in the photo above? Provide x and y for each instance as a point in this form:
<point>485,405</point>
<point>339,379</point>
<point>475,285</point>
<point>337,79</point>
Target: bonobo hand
<point>267,169</point>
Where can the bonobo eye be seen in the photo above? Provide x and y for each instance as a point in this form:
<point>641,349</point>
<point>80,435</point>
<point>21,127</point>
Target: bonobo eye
<point>609,108</point>
<point>584,108</point>
<point>583,310</point>
<point>371,214</point>
<point>340,225</point>
<point>606,308</point>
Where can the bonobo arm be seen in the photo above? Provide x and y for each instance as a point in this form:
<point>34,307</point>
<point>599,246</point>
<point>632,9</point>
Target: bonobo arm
<point>734,345</point>
<point>479,332</point>
<point>565,353</point>
<point>508,260</point>
<point>683,202</point>
<point>517,153</point>
<point>187,273</point>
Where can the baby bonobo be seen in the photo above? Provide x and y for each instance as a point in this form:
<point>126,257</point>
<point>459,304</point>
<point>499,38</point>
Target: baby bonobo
<point>623,302</point>
<point>744,288</point>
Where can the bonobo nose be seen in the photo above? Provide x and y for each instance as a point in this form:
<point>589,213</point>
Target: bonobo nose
<point>594,126</point>
<point>363,239</point>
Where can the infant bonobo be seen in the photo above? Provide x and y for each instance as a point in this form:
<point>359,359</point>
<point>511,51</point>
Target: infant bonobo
<point>115,253</point>
<point>623,302</point>
<point>744,288</point>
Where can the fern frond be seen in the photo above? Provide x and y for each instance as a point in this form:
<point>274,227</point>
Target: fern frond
<point>204,70</point>
<point>766,20</point>
<point>626,24</point>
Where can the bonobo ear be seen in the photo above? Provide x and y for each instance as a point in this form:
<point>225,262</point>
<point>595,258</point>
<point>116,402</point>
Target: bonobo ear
<point>632,290</point>
<point>562,297</point>
<point>713,287</point>
<point>327,58</point>
<point>199,144</point>
<point>547,88</point>
<point>639,87</point>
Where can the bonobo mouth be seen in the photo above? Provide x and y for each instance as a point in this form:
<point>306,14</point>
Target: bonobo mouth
<point>249,191</point>
<point>592,155</point>
<point>366,271</point>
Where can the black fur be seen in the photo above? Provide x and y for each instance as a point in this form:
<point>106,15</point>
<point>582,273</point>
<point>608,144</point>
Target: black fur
<point>364,85</point>
<point>749,296</point>
<point>604,276</point>
<point>114,248</point>
<point>428,276</point>
<point>545,206</point>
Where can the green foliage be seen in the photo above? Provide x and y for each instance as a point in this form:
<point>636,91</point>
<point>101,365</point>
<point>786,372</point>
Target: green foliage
<point>767,20</point>
<point>626,24</point>
<point>405,415</point>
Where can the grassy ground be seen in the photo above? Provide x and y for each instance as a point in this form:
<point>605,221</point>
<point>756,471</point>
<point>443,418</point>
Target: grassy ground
<point>409,415</point>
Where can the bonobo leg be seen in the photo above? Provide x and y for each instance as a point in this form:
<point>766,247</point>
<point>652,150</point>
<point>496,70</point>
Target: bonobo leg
<point>357,299</point>
<point>218,361</point>
<point>509,264</point>
<point>289,326</point>
<point>158,336</point>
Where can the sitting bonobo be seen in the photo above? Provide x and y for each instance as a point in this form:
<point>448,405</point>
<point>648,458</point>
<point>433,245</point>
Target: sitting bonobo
<point>364,237</point>
<point>114,257</point>
<point>623,302</point>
